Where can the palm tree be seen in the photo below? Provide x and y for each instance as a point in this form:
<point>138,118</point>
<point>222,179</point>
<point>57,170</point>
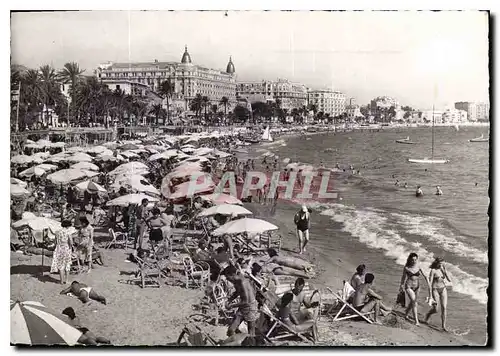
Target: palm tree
<point>225,102</point>
<point>49,86</point>
<point>196,104</point>
<point>205,101</point>
<point>71,74</point>
<point>166,91</point>
<point>157,111</point>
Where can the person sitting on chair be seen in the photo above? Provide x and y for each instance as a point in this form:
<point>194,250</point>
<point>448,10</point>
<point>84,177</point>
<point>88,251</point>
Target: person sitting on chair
<point>83,292</point>
<point>299,299</point>
<point>289,319</point>
<point>366,300</point>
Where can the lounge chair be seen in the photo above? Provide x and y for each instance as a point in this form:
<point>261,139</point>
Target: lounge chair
<point>150,272</point>
<point>196,273</point>
<point>347,310</point>
<point>279,330</point>
<point>118,239</point>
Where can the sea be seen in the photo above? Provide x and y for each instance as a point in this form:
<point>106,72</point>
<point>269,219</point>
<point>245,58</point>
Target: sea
<point>378,223</point>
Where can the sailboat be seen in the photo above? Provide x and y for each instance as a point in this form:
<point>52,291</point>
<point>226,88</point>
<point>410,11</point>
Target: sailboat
<point>266,136</point>
<point>427,160</point>
<point>406,141</point>
<point>479,139</point>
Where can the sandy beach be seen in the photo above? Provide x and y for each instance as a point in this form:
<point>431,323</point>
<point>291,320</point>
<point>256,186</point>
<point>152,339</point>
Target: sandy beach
<point>155,316</point>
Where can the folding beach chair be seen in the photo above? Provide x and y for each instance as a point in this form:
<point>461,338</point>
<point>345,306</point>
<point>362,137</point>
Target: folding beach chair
<point>196,273</point>
<point>118,239</point>
<point>280,330</point>
<point>347,309</point>
<point>150,272</point>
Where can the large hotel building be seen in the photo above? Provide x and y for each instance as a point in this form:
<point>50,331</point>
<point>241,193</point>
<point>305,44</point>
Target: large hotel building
<point>328,101</point>
<point>291,95</point>
<point>188,79</point>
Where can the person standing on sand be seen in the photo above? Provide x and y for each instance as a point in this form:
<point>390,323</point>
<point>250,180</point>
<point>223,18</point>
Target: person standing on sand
<point>411,285</point>
<point>142,215</point>
<point>247,307</point>
<point>302,220</point>
<point>61,261</point>
<point>437,277</point>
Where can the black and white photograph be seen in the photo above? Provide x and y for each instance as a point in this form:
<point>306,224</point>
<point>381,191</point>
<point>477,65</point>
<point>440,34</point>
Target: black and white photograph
<point>251,178</point>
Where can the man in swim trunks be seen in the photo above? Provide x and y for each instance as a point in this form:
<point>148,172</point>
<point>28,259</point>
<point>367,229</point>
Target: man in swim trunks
<point>303,222</point>
<point>247,307</point>
<point>365,299</point>
<point>83,292</point>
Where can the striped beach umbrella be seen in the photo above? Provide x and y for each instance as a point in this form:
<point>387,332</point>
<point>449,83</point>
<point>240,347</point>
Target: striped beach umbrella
<point>31,323</point>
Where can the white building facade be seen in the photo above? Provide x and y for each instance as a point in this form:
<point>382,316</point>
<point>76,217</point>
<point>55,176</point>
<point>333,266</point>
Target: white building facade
<point>328,101</point>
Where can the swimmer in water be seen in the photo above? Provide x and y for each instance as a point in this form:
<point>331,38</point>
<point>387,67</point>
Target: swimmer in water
<point>419,192</point>
<point>476,184</point>
<point>406,185</point>
<point>397,183</point>
<point>438,190</point>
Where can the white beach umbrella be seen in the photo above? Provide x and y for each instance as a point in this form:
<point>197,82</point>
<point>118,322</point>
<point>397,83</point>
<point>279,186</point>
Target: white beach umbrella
<point>245,225</point>
<point>38,223</point>
<point>47,167</point>
<point>125,200</point>
<point>136,183</point>
<point>79,157</point>
<point>225,209</point>
<point>18,191</point>
<point>91,187</point>
<point>85,165</point>
<point>221,198</point>
<point>97,149</point>
<point>18,182</point>
<point>21,159</point>
<point>32,171</point>
<point>65,176</point>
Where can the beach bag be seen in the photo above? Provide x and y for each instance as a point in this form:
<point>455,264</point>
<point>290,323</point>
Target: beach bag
<point>401,299</point>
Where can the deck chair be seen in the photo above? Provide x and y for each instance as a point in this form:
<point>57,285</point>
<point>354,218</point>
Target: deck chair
<point>270,240</point>
<point>280,330</point>
<point>196,273</point>
<point>117,239</point>
<point>194,336</point>
<point>347,310</point>
<point>150,273</point>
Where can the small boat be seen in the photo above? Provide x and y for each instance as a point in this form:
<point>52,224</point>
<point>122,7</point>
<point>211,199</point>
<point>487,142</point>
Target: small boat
<point>427,160</point>
<point>480,139</point>
<point>406,141</point>
<point>266,136</point>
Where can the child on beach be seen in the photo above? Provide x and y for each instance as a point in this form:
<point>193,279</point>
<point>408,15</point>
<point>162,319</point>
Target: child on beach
<point>83,292</point>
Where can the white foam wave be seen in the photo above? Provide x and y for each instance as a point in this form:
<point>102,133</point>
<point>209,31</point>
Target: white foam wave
<point>371,228</point>
<point>428,227</point>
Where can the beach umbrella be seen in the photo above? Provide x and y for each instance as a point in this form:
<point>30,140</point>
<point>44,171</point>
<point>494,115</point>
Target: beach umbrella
<point>136,183</point>
<point>187,149</point>
<point>245,225</point>
<point>85,166</point>
<point>155,148</point>
<point>221,154</point>
<point>110,158</point>
<point>59,144</point>
<point>91,187</point>
<point>28,215</point>
<point>47,167</point>
<point>38,223</point>
<point>221,198</point>
<point>18,191</point>
<point>286,160</point>
<point>203,151</point>
<point>188,190</point>
<point>130,168</point>
<point>65,176</point>
<point>225,209</point>
<point>18,182</point>
<point>31,323</point>
<point>125,200</point>
<point>110,145</point>
<point>97,149</point>
<point>21,159</point>
<point>79,157</point>
<point>129,146</point>
<point>75,149</point>
<point>44,143</point>
<point>33,145</point>
<point>32,171</point>
<point>129,154</point>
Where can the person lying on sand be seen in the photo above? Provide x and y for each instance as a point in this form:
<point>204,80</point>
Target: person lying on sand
<point>88,337</point>
<point>83,292</point>
<point>279,270</point>
<point>289,261</point>
<point>287,317</point>
<point>365,299</point>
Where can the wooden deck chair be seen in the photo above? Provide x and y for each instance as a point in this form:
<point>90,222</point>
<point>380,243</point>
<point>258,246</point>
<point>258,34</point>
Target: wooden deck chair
<point>270,240</point>
<point>150,273</point>
<point>117,239</point>
<point>196,273</point>
<point>283,331</point>
<point>347,309</point>
<point>247,246</point>
<point>194,336</point>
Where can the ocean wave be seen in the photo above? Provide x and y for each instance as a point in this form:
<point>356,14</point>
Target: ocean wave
<point>426,226</point>
<point>373,229</point>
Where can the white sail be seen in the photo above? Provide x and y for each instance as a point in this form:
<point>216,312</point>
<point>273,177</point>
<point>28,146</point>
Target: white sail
<point>266,136</point>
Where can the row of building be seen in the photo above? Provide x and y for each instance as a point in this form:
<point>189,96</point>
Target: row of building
<point>189,79</point>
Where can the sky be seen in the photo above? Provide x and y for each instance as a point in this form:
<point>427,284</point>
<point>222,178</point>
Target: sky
<point>420,58</point>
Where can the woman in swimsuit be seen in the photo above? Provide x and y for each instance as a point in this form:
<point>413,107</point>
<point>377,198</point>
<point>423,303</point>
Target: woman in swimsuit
<point>437,277</point>
<point>410,283</point>
<point>155,224</point>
